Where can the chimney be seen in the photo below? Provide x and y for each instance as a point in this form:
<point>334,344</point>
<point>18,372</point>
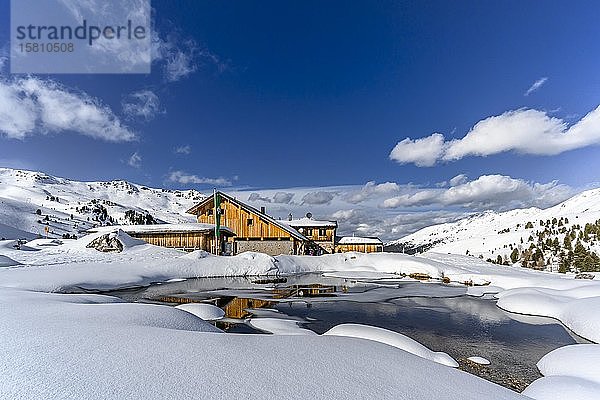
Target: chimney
<point>263,210</point>
<point>290,217</point>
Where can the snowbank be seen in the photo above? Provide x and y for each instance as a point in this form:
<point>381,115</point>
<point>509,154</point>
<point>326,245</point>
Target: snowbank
<point>7,262</point>
<point>577,308</point>
<point>570,372</point>
<point>479,360</point>
<point>207,312</point>
<point>580,360</point>
<point>393,339</point>
<point>94,347</point>
<point>361,275</point>
<point>10,232</point>
<point>562,388</point>
<point>279,326</point>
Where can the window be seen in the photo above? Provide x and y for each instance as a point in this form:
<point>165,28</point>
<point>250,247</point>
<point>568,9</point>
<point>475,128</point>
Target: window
<point>210,212</point>
<point>250,222</point>
<point>322,232</point>
<point>309,231</point>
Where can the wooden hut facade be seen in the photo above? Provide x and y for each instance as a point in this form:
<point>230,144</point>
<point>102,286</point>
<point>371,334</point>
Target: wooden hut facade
<point>254,229</point>
<point>188,237</point>
<point>359,244</point>
<point>322,233</point>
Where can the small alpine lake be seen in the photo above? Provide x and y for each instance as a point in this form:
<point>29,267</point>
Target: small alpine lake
<point>440,316</point>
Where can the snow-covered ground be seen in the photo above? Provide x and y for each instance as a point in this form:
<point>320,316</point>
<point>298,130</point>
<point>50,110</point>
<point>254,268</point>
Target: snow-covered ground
<point>207,312</point>
<point>91,346</point>
<point>393,339</point>
<point>570,372</point>
<point>279,326</point>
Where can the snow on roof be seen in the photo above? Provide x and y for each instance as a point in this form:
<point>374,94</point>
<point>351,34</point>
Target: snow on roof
<point>160,228</point>
<point>359,240</point>
<point>307,222</point>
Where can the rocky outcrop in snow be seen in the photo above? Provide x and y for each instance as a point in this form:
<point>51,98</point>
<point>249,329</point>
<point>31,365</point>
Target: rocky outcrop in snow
<point>106,243</point>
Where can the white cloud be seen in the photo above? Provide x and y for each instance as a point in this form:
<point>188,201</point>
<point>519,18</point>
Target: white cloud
<point>458,180</point>
<point>536,85</point>
<point>257,197</point>
<point>180,64</point>
<point>319,197</point>
<point>406,223</point>
<point>143,104</point>
<point>489,191</point>
<point>181,58</point>
<point>187,149</point>
<point>31,105</point>
<point>131,55</point>
<point>18,113</point>
<point>277,198</point>
<point>186,179</point>
<point>387,227</point>
<point>344,215</point>
<point>175,56</point>
<point>422,152</point>
<point>418,199</point>
<point>524,131</point>
<point>371,189</point>
<point>497,192</point>
<point>135,160</point>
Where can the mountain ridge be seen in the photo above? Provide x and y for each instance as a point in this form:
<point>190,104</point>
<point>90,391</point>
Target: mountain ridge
<point>490,234</point>
<point>34,203</point>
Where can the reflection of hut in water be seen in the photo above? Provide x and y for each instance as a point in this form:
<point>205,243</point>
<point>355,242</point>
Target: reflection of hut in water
<point>237,307</point>
<point>312,290</point>
<point>234,307</point>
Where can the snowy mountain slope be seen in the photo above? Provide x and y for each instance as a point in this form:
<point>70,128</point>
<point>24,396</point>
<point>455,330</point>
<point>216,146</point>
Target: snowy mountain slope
<point>491,234</point>
<point>31,202</point>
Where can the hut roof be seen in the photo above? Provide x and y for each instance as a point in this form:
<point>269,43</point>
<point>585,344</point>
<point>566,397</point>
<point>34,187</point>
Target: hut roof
<point>165,228</point>
<point>309,223</point>
<point>359,240</point>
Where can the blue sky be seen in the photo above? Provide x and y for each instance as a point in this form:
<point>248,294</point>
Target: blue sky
<point>276,94</point>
